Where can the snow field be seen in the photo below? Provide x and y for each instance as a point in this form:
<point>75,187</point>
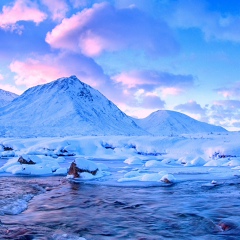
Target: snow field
<point>146,159</point>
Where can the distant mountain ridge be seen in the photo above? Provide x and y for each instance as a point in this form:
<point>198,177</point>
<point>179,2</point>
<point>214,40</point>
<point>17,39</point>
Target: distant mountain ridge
<point>166,122</point>
<point>68,107</point>
<point>6,97</point>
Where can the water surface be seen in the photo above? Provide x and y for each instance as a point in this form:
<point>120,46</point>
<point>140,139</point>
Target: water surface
<point>58,209</point>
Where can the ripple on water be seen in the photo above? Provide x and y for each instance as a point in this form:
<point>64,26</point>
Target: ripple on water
<point>75,210</point>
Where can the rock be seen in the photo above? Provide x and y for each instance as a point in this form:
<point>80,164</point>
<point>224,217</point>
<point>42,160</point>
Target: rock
<point>168,178</point>
<point>25,161</point>
<point>227,225</point>
<point>82,166</point>
<point>73,170</point>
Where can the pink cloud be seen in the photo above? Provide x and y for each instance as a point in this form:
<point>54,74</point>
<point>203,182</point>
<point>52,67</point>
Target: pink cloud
<point>191,107</point>
<point>22,10</point>
<point>58,8</point>
<point>170,91</point>
<point>43,69</point>
<point>33,72</point>
<point>104,28</point>
<point>149,80</point>
<point>137,112</point>
<point>225,113</point>
<point>132,79</point>
<point>1,77</point>
<point>231,91</point>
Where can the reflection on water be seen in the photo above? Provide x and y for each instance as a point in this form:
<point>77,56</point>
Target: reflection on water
<point>70,210</point>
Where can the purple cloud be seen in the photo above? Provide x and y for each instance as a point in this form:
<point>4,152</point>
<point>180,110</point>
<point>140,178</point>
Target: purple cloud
<point>21,10</point>
<point>46,68</point>
<point>191,107</point>
<point>225,113</point>
<point>228,92</point>
<point>104,28</point>
<point>57,8</point>
<point>152,102</point>
<point>150,80</point>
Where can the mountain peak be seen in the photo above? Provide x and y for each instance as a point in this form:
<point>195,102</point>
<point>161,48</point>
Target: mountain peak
<point>64,107</point>
<point>167,122</point>
<point>70,79</point>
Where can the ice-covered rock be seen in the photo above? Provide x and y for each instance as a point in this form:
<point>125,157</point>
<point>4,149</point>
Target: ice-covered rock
<point>132,174</point>
<point>233,163</point>
<point>133,161</point>
<point>25,160</point>
<point>32,165</point>
<point>169,161</point>
<point>83,169</point>
<point>185,160</point>
<point>155,177</point>
<point>197,161</point>
<point>153,164</point>
<point>168,178</point>
<point>216,163</point>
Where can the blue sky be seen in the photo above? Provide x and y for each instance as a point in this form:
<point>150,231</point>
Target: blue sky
<point>144,55</point>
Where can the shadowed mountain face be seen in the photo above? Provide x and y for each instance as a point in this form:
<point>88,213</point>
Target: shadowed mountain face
<point>6,97</point>
<point>64,107</point>
<point>165,122</point>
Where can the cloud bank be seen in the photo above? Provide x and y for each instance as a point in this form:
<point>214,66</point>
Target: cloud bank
<point>21,10</point>
<point>104,28</point>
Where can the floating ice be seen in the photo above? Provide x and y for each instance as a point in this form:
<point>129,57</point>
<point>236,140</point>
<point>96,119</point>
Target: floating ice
<point>14,206</point>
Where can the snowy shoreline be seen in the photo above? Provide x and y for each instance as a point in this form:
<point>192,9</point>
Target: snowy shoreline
<point>124,159</point>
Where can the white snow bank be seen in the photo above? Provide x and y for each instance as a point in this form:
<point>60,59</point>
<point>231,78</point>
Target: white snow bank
<point>123,147</point>
<point>148,177</point>
<point>197,161</point>
<point>153,164</point>
<point>232,163</point>
<point>177,155</point>
<point>44,165</point>
<point>133,161</point>
<point>168,178</point>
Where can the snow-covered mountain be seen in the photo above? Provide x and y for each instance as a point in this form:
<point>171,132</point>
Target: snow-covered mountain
<point>165,122</point>
<point>63,107</point>
<point>6,97</point>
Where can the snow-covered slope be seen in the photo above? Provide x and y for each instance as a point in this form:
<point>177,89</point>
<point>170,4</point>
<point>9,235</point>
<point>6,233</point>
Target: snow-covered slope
<point>64,107</point>
<point>165,122</point>
<point>6,97</point>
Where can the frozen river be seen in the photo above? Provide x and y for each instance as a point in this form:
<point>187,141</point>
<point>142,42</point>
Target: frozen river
<point>53,208</point>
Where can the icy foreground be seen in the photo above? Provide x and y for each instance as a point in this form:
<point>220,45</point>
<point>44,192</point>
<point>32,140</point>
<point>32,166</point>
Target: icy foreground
<point>124,160</point>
